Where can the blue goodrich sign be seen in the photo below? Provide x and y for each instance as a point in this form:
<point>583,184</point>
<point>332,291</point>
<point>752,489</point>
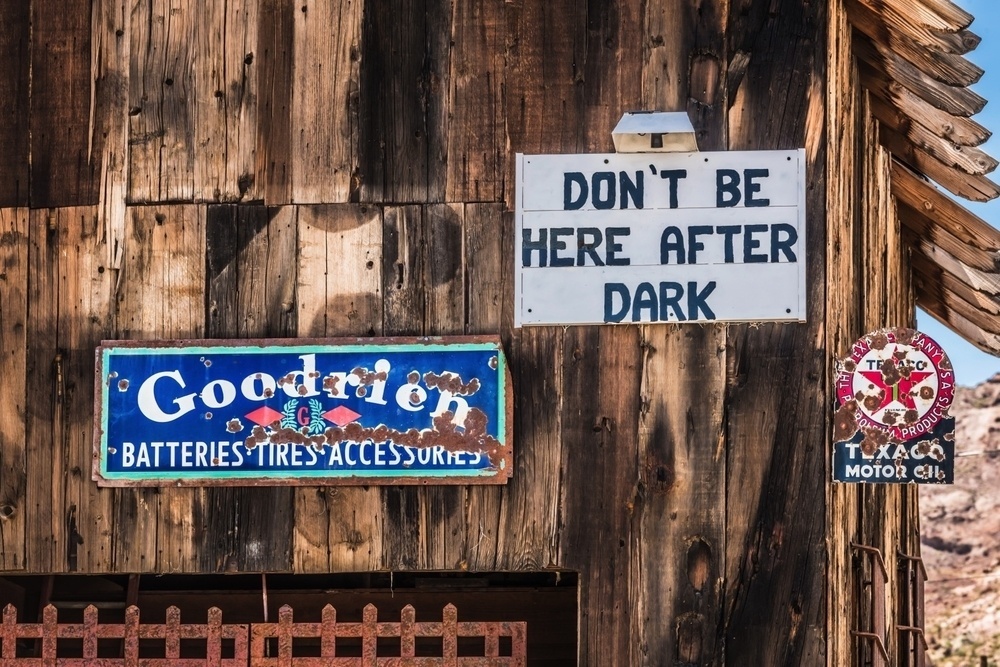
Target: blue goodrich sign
<point>391,411</point>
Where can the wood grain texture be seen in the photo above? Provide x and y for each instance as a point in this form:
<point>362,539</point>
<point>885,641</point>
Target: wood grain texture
<point>530,512</point>
<point>13,366</point>
<point>948,68</point>
<point>85,297</point>
<point>424,283</point>
<point>489,290</point>
<point>476,129</point>
<point>843,312</point>
<point>110,79</point>
<point>598,483</point>
<point>931,203</point>
<point>324,99</point>
<point>443,508</point>
<point>681,496</point>
<point>15,51</point>
<point>777,374</point>
<point>338,529</point>
<point>543,112</point>
<point>43,530</point>
<point>274,57</point>
<point>958,182</point>
<point>192,101</point>
<point>250,293</point>
<point>63,164</point>
<point>251,271</point>
<point>162,296</point>
<point>680,501</point>
<point>967,159</point>
<point>405,48</point>
<point>905,23</point>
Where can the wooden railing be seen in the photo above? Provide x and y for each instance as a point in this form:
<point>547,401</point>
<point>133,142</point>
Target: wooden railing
<point>259,644</point>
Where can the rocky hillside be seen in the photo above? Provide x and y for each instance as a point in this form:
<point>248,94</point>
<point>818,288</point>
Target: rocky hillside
<point>960,532</point>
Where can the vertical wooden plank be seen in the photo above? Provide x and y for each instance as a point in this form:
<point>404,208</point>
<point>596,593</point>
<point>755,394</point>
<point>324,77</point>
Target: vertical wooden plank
<point>778,373</point>
<point>15,51</point>
<point>160,133</point>
<point>680,555</point>
<point>161,290</point>
<point>404,260</point>
<point>192,101</point>
<point>477,138</point>
<point>338,294</point>
<point>250,289</point>
<point>442,533</point>
<point>530,513</point>
<point>339,281</point>
<point>13,366</point>
<point>601,370</point>
<point>62,165</point>
<point>405,50</point>
<point>489,291</point>
<point>324,106</point>
<point>274,55</point>
<point>251,271</point>
<point>44,396</point>
<point>682,501</point>
<point>110,76</point>
<point>239,86</point>
<point>162,296</point>
<point>843,323</point>
<point>85,288</point>
<point>427,292</point>
<point>543,96</point>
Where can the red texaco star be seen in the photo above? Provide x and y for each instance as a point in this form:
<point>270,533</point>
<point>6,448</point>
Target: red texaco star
<point>896,392</point>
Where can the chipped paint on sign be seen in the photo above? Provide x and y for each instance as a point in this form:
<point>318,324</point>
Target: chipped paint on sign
<point>387,411</point>
<point>893,423</point>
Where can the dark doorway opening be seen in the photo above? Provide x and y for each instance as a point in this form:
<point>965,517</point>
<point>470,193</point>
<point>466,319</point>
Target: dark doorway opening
<point>546,601</point>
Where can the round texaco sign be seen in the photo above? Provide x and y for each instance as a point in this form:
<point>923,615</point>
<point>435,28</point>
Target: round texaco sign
<point>901,381</point>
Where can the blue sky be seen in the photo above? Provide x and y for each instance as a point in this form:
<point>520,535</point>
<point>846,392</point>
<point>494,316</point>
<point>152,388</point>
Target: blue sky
<point>971,365</point>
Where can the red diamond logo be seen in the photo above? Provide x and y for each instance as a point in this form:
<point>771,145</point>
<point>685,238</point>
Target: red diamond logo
<point>341,415</point>
<point>264,416</point>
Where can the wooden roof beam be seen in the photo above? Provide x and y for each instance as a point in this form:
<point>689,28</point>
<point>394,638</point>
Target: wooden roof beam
<point>924,269</point>
<point>968,159</point>
<point>957,129</point>
<point>956,100</point>
<point>973,187</point>
<point>948,68</point>
<point>913,190</point>
<point>903,22</point>
<point>934,14</point>
<point>982,281</point>
<point>936,235</point>
<point>985,341</point>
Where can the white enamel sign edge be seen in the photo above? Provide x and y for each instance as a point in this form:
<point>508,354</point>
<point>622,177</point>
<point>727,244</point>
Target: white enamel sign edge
<point>660,237</point>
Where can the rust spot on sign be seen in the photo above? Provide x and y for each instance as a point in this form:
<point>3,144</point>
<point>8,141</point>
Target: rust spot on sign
<point>874,438</point>
<point>473,437</point>
<point>845,423</point>
<point>123,385</point>
<point>451,382</point>
<point>879,340</point>
<point>367,378</point>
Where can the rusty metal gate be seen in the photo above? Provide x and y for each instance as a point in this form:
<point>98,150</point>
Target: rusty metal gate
<point>374,642</point>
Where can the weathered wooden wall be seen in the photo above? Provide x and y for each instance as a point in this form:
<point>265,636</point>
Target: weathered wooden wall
<point>264,168</point>
<point>872,291</point>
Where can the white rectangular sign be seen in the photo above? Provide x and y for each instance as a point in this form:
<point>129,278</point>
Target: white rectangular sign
<point>660,237</point>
